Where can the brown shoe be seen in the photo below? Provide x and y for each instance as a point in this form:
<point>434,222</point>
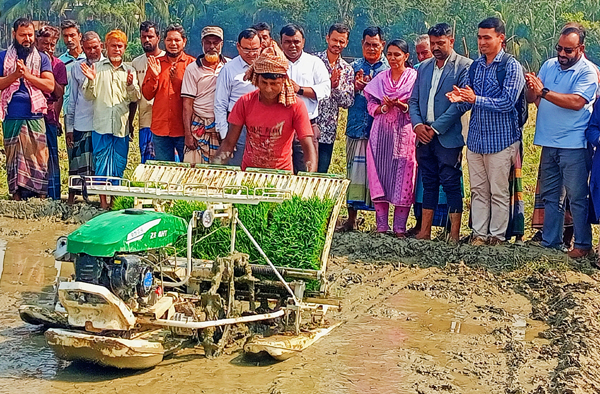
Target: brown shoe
<point>577,253</point>
<point>478,241</point>
<point>493,241</point>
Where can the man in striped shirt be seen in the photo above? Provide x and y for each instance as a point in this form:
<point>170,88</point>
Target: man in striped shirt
<point>494,132</point>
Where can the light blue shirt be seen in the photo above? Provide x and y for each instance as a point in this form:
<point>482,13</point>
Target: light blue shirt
<point>230,87</point>
<point>69,61</point>
<point>84,121</point>
<point>558,127</point>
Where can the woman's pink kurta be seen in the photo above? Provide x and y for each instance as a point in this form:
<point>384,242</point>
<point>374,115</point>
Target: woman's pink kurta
<point>391,161</point>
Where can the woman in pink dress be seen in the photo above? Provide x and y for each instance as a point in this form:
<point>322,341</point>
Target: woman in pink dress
<point>391,161</point>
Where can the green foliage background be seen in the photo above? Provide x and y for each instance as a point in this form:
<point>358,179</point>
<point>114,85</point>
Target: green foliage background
<point>533,25</point>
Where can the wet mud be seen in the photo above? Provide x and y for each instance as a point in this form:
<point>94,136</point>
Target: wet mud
<point>34,209</point>
<point>417,318</point>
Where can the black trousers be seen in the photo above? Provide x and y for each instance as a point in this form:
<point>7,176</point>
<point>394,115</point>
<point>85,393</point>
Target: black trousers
<point>298,157</point>
<point>440,166</point>
<point>325,153</point>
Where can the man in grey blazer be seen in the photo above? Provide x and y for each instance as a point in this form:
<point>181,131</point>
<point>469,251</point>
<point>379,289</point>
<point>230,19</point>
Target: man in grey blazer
<point>437,124</point>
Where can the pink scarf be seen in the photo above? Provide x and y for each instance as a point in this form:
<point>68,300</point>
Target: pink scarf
<point>382,85</point>
<point>34,64</point>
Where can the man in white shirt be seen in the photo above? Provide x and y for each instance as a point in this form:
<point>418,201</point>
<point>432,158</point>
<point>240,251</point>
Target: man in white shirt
<point>150,37</point>
<point>231,86</point>
<point>310,79</point>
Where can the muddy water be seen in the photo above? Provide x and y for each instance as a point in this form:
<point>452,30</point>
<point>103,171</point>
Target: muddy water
<point>393,340</point>
<point>27,276</point>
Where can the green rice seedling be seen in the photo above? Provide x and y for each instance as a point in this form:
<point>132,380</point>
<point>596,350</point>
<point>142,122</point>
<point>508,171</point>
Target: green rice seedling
<point>185,209</point>
<point>122,202</point>
<point>297,232</point>
<point>292,234</point>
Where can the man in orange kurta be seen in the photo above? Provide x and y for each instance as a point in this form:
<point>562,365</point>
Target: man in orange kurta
<point>163,84</point>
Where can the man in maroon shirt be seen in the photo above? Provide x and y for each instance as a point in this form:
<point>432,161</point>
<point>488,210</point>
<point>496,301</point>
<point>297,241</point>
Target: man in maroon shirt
<point>45,41</point>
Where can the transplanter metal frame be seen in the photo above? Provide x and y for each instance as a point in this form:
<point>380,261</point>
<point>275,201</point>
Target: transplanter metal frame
<point>210,183</point>
<point>113,186</point>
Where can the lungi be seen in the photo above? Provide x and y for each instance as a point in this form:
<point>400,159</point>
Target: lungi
<point>26,155</point>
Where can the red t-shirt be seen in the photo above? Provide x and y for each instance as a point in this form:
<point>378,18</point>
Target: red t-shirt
<point>270,130</point>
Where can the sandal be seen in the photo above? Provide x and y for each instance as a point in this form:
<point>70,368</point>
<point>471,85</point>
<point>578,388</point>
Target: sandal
<point>344,228</point>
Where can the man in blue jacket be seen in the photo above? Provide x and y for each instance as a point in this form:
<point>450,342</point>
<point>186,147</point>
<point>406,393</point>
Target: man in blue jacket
<point>436,122</point>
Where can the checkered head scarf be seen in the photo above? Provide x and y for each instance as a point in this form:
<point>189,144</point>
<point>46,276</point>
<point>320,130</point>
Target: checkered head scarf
<point>273,61</point>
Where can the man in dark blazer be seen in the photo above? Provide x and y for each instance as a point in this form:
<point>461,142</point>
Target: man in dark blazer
<point>436,122</point>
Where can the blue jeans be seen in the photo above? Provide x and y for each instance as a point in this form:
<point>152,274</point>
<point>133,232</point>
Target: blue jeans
<point>238,155</point>
<point>325,153</point>
<point>564,173</point>
<point>164,147</point>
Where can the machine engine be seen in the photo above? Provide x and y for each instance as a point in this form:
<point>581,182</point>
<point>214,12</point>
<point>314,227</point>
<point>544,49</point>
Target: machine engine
<point>126,276</point>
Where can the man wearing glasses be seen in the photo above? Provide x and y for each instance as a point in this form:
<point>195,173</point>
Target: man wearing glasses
<point>231,86</point>
<point>564,92</point>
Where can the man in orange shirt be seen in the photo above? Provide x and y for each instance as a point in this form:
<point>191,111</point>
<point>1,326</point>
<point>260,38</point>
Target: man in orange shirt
<point>163,84</point>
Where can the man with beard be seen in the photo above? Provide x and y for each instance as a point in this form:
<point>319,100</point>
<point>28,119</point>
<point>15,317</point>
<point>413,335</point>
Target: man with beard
<point>437,123</point>
<point>359,124</point>
<point>231,85</point>
<point>564,92</point>
<point>163,84</point>
<point>25,76</point>
<point>150,37</point>
<point>79,128</point>
<point>45,42</point>
<point>198,91</point>
<point>310,79</point>
<point>264,33</point>
<point>72,38</point>
<point>342,91</point>
<point>112,85</point>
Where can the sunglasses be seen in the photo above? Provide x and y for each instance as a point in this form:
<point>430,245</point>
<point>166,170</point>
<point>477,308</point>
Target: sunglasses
<point>568,51</point>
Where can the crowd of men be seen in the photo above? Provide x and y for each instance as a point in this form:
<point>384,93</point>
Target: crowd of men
<point>277,106</point>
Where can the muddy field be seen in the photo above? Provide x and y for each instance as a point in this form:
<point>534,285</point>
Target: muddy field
<point>417,318</point>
